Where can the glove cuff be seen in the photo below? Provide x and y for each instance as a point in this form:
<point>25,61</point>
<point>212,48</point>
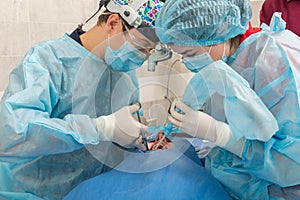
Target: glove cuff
<point>105,126</point>
<point>227,141</point>
<point>236,146</point>
<point>223,133</point>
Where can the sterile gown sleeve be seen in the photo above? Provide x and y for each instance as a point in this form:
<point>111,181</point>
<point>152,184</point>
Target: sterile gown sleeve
<point>245,113</point>
<point>46,108</point>
<point>27,127</point>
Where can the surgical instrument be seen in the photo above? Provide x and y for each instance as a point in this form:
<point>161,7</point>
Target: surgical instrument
<point>161,53</point>
<point>143,137</point>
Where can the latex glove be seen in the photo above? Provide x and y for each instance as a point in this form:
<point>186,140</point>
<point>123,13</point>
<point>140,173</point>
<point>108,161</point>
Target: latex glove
<point>198,124</point>
<point>121,127</point>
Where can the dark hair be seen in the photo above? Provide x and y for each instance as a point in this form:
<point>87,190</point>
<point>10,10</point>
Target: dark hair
<point>234,42</point>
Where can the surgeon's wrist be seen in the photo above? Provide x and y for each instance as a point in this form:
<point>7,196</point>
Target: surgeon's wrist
<point>105,126</point>
<point>226,140</point>
<point>236,146</point>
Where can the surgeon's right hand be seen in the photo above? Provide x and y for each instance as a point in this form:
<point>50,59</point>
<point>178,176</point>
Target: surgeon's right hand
<point>122,128</point>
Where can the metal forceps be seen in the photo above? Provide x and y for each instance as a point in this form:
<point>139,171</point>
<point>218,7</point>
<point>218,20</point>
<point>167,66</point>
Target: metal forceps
<point>143,134</point>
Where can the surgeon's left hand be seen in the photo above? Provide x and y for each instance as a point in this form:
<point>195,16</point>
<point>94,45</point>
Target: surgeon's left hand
<point>198,124</point>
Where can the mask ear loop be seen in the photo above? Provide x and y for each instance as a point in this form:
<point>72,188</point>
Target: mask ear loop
<point>108,40</point>
<point>210,49</point>
<point>224,56</point>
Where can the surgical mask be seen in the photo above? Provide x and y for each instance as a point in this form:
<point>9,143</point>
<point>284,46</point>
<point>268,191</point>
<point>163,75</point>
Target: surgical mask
<point>196,63</point>
<point>126,58</point>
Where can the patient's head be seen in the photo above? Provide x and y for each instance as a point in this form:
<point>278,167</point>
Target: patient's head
<point>160,142</point>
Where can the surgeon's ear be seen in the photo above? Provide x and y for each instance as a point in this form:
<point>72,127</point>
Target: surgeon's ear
<point>113,24</point>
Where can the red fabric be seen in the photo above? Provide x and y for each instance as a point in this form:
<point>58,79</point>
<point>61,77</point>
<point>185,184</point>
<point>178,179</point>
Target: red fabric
<point>290,13</point>
<point>249,32</point>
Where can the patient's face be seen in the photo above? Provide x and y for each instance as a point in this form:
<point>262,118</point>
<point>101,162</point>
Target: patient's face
<point>161,142</point>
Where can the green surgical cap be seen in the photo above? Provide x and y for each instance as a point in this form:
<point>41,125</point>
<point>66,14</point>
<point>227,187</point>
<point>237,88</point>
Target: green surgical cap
<point>202,22</point>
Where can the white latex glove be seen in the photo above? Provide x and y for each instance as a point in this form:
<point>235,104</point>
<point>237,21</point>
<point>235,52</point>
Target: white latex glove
<point>121,127</point>
<point>199,124</point>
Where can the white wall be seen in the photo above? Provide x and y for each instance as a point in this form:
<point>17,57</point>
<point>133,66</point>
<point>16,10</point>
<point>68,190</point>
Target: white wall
<point>26,22</point>
<point>256,5</point>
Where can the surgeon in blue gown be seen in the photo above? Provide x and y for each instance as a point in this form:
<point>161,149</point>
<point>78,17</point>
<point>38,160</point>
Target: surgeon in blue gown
<point>154,174</point>
<point>248,84</point>
<point>70,92</point>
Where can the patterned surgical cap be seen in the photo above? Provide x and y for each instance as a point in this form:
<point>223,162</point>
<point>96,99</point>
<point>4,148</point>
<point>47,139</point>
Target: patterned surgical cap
<point>148,11</point>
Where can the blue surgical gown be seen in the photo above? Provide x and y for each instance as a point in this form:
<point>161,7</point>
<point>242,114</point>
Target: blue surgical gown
<point>46,118</point>
<point>269,163</point>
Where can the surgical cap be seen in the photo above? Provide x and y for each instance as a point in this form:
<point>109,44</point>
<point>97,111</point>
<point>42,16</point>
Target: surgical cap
<point>202,22</point>
<point>147,12</point>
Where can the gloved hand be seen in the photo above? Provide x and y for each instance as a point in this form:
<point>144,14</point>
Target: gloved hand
<point>198,124</point>
<point>121,127</point>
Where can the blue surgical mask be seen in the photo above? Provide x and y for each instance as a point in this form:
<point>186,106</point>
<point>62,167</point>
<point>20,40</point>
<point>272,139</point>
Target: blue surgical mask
<point>196,63</point>
<point>126,58</point>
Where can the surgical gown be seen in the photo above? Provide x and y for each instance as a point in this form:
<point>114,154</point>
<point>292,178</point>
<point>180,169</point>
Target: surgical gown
<point>269,163</point>
<point>46,118</point>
